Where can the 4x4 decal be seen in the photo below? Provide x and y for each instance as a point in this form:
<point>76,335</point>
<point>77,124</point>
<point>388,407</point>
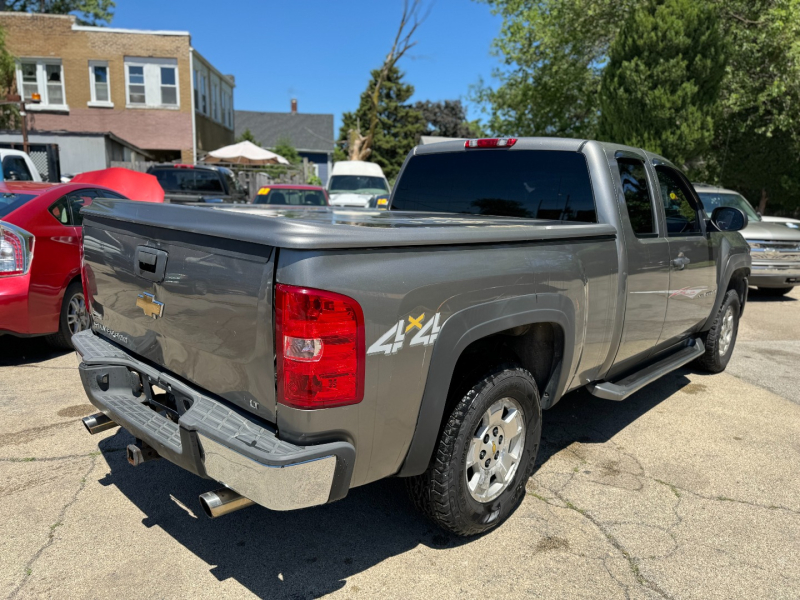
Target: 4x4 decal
<point>393,340</point>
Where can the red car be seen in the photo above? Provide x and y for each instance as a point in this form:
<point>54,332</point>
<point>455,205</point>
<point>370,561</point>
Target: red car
<point>40,238</point>
<point>291,195</point>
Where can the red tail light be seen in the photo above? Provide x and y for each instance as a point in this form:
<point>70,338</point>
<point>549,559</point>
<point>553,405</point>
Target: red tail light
<point>16,250</point>
<point>320,347</point>
<point>490,143</point>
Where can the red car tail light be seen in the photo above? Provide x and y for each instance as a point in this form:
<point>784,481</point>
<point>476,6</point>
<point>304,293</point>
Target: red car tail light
<point>490,143</point>
<point>320,346</point>
<point>16,250</point>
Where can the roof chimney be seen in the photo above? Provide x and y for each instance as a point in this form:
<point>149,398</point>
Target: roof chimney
<point>294,106</point>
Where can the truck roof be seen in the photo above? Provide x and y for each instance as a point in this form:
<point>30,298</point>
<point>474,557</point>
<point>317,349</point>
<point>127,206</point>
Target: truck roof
<point>325,228</point>
<point>357,167</point>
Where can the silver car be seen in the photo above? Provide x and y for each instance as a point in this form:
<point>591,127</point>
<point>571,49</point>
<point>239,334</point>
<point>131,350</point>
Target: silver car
<point>774,246</point>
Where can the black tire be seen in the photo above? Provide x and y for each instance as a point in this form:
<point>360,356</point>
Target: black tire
<point>713,361</point>
<point>442,492</point>
<point>62,338</point>
<point>775,291</point>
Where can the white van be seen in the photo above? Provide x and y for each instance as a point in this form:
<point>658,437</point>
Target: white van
<point>355,183</point>
<point>18,166</point>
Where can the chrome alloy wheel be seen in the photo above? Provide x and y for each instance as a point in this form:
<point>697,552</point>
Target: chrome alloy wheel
<point>495,450</point>
<point>726,332</point>
<point>77,317</point>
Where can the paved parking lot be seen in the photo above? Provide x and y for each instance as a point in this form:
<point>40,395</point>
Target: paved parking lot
<point>689,489</point>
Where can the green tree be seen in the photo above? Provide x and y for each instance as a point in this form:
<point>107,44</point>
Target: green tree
<point>399,124</point>
<point>9,114</point>
<point>247,136</point>
<point>447,118</point>
<point>757,142</point>
<point>88,12</point>
<point>285,148</point>
<point>554,53</point>
<point>661,87</point>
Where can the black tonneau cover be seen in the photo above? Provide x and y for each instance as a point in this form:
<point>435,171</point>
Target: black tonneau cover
<point>325,228</point>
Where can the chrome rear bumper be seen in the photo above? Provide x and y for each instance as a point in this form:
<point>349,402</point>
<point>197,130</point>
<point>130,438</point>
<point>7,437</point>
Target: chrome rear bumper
<point>209,438</point>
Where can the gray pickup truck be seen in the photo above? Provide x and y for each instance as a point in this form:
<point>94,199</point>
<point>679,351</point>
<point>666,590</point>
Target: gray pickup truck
<point>294,355</point>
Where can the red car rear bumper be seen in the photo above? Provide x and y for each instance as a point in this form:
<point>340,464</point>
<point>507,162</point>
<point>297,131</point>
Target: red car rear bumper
<point>14,304</point>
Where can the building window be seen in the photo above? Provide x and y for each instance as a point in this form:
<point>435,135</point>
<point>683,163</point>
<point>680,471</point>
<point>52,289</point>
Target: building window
<point>215,101</point>
<point>44,77</point>
<point>136,88</point>
<point>98,81</point>
<point>203,94</point>
<point>169,86</point>
<point>196,89</point>
<point>152,82</point>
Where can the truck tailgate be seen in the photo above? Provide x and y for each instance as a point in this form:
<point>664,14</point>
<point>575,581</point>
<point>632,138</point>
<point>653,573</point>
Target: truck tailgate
<point>197,305</point>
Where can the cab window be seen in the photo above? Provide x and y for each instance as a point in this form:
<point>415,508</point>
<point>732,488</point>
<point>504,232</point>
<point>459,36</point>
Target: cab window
<point>15,169</point>
<point>633,176</point>
<point>680,207</point>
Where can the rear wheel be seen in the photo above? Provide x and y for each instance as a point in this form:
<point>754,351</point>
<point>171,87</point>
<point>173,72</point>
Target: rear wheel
<point>775,291</point>
<point>485,455</point>
<point>74,317</point>
<point>721,338</point>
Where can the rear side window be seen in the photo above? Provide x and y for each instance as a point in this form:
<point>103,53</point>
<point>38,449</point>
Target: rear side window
<point>189,180</point>
<point>531,184</point>
<point>284,197</point>
<point>633,176</point>
<point>16,169</point>
<point>11,202</point>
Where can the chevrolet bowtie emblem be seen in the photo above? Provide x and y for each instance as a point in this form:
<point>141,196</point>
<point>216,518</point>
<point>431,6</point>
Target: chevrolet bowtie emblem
<point>149,304</point>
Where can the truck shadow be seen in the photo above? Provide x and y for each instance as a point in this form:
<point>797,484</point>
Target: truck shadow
<point>299,554</point>
<point>16,351</point>
<point>312,552</point>
<point>581,417</point>
<point>756,295</point>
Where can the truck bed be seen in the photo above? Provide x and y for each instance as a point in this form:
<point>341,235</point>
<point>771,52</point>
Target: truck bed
<point>325,228</point>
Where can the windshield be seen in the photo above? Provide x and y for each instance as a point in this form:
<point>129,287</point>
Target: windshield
<point>712,200</point>
<point>11,202</point>
<point>358,184</point>
<point>288,197</point>
<point>189,180</point>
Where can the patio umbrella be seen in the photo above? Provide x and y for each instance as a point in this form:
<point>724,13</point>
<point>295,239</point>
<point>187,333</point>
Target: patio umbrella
<point>245,153</point>
<point>131,184</point>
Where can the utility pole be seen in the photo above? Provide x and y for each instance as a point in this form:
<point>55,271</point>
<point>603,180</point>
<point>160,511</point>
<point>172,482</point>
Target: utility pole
<point>17,99</point>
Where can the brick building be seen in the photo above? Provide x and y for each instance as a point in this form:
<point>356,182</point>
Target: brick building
<point>149,88</point>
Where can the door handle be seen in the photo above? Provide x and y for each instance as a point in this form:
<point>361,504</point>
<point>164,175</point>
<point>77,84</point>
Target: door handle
<point>680,262</point>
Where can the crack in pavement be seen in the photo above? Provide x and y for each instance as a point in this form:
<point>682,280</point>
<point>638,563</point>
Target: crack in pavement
<point>51,536</point>
<point>59,458</point>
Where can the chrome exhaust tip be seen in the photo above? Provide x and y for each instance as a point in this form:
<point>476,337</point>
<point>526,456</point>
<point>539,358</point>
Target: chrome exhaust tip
<point>222,501</point>
<point>97,423</point>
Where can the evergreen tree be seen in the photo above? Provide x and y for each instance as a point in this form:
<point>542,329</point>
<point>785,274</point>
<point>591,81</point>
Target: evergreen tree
<point>447,118</point>
<point>247,136</point>
<point>399,123</point>
<point>660,90</point>
<point>285,148</point>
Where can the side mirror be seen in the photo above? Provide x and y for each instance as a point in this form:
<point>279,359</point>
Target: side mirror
<point>728,218</point>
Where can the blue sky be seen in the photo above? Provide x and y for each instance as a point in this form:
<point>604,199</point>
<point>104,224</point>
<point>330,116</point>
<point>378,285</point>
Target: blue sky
<point>321,51</point>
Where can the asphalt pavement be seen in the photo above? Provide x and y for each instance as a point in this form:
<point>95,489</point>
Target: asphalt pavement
<point>688,489</point>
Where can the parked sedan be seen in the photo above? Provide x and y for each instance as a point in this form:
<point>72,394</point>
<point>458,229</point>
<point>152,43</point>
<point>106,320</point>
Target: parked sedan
<point>40,239</point>
<point>291,195</point>
<point>774,246</point>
